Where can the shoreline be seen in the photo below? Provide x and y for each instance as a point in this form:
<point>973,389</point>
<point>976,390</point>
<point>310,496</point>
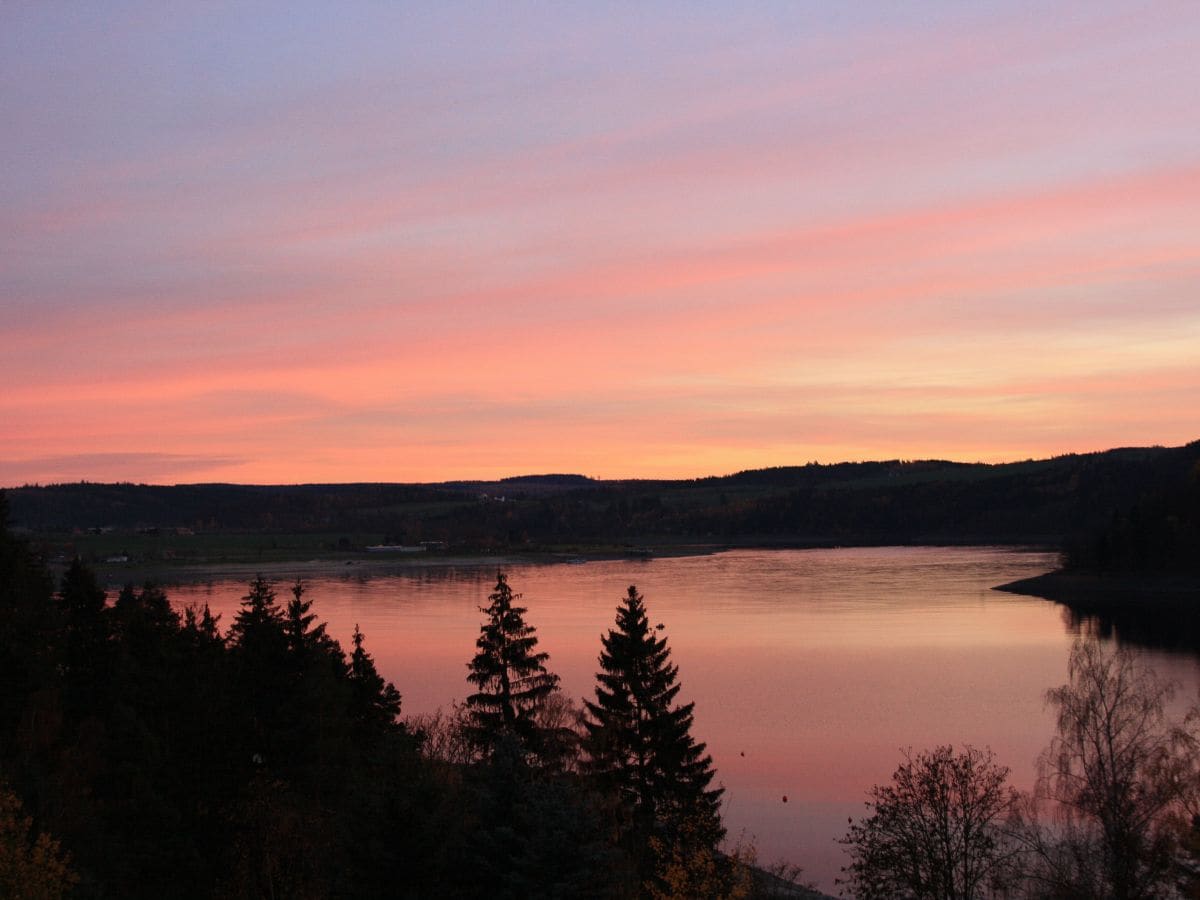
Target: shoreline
<point>198,572</point>
<point>1081,589</point>
<point>168,574</point>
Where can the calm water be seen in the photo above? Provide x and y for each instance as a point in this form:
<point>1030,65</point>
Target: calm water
<point>810,669</point>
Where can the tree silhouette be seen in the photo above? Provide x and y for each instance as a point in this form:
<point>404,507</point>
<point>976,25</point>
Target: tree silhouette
<point>936,830</point>
<point>638,741</point>
<point>304,639</point>
<point>1114,783</point>
<point>31,626</point>
<point>87,628</point>
<point>262,672</point>
<point>375,703</point>
<point>511,677</point>
<point>258,625</point>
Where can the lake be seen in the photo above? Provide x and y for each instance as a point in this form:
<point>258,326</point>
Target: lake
<point>810,669</point>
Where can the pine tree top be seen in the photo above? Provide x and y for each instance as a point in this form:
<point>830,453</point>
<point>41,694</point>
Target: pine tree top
<point>376,701</point>
<point>259,601</point>
<point>259,621</point>
<point>303,637</point>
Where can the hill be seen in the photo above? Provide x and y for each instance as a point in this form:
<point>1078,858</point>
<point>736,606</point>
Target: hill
<point>887,502</point>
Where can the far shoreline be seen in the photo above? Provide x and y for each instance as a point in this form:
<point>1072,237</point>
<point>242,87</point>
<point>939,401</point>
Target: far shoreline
<point>168,574</point>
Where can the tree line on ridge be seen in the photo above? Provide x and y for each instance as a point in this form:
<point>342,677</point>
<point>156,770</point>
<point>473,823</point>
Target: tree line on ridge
<point>897,501</point>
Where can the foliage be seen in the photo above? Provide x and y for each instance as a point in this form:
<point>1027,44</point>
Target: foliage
<point>1159,533</point>
<point>258,627</point>
<point>278,845</point>
<point>638,741</point>
<point>376,703</point>
<point>87,659</point>
<point>511,678</point>
<point>444,735</point>
<point>935,831</point>
<point>306,638</point>
<point>689,866</point>
<point>1115,784</point>
<point>537,832</point>
<point>778,880</point>
<point>30,649</point>
<point>176,761</point>
<point>31,867</point>
<point>170,758</point>
<point>638,738</point>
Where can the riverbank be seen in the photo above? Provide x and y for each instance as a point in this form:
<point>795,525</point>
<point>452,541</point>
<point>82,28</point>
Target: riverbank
<point>278,563</point>
<point>1081,588</point>
<point>1153,611</point>
<point>361,566</point>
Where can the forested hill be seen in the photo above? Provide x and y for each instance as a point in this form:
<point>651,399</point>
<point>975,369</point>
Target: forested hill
<point>895,501</point>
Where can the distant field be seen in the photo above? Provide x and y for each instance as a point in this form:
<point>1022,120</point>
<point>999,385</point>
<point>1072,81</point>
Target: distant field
<point>164,548</point>
<point>195,556</point>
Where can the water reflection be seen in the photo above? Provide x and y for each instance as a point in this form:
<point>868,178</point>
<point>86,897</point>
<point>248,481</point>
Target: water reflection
<point>1166,626</point>
<point>810,669</point>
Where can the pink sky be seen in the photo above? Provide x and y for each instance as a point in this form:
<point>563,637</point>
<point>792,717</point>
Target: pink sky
<point>343,243</point>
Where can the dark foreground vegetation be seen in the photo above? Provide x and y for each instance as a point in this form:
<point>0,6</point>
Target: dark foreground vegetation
<point>148,753</point>
<point>1115,812</point>
<point>895,502</point>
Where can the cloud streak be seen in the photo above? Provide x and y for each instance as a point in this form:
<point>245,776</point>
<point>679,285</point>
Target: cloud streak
<point>627,245</point>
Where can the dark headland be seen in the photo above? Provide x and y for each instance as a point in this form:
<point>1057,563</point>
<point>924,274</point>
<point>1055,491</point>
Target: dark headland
<point>1135,574</point>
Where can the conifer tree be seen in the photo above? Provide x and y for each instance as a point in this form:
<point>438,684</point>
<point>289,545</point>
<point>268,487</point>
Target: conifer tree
<point>200,626</point>
<point>88,632</point>
<point>260,670</point>
<point>511,678</point>
<point>258,625</point>
<point>638,741</point>
<point>376,703</point>
<point>83,602</point>
<point>146,634</point>
<point>304,639</point>
<point>30,628</point>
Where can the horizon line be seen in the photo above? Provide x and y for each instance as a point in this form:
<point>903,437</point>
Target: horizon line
<point>597,480</point>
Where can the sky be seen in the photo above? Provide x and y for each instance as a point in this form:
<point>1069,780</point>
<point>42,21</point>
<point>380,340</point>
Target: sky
<point>337,242</point>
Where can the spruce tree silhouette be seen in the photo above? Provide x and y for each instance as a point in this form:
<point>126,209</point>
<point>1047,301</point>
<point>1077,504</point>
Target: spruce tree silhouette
<point>638,741</point>
<point>512,680</point>
<point>261,672</point>
<point>375,703</point>
<point>88,662</point>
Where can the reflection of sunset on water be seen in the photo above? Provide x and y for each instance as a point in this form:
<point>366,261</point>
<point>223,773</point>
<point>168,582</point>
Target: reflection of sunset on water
<point>818,666</point>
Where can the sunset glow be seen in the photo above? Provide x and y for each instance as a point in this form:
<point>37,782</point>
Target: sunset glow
<point>334,243</point>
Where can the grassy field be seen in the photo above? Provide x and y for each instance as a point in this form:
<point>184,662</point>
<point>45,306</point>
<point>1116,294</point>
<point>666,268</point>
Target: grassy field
<point>167,557</point>
<point>190,549</point>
